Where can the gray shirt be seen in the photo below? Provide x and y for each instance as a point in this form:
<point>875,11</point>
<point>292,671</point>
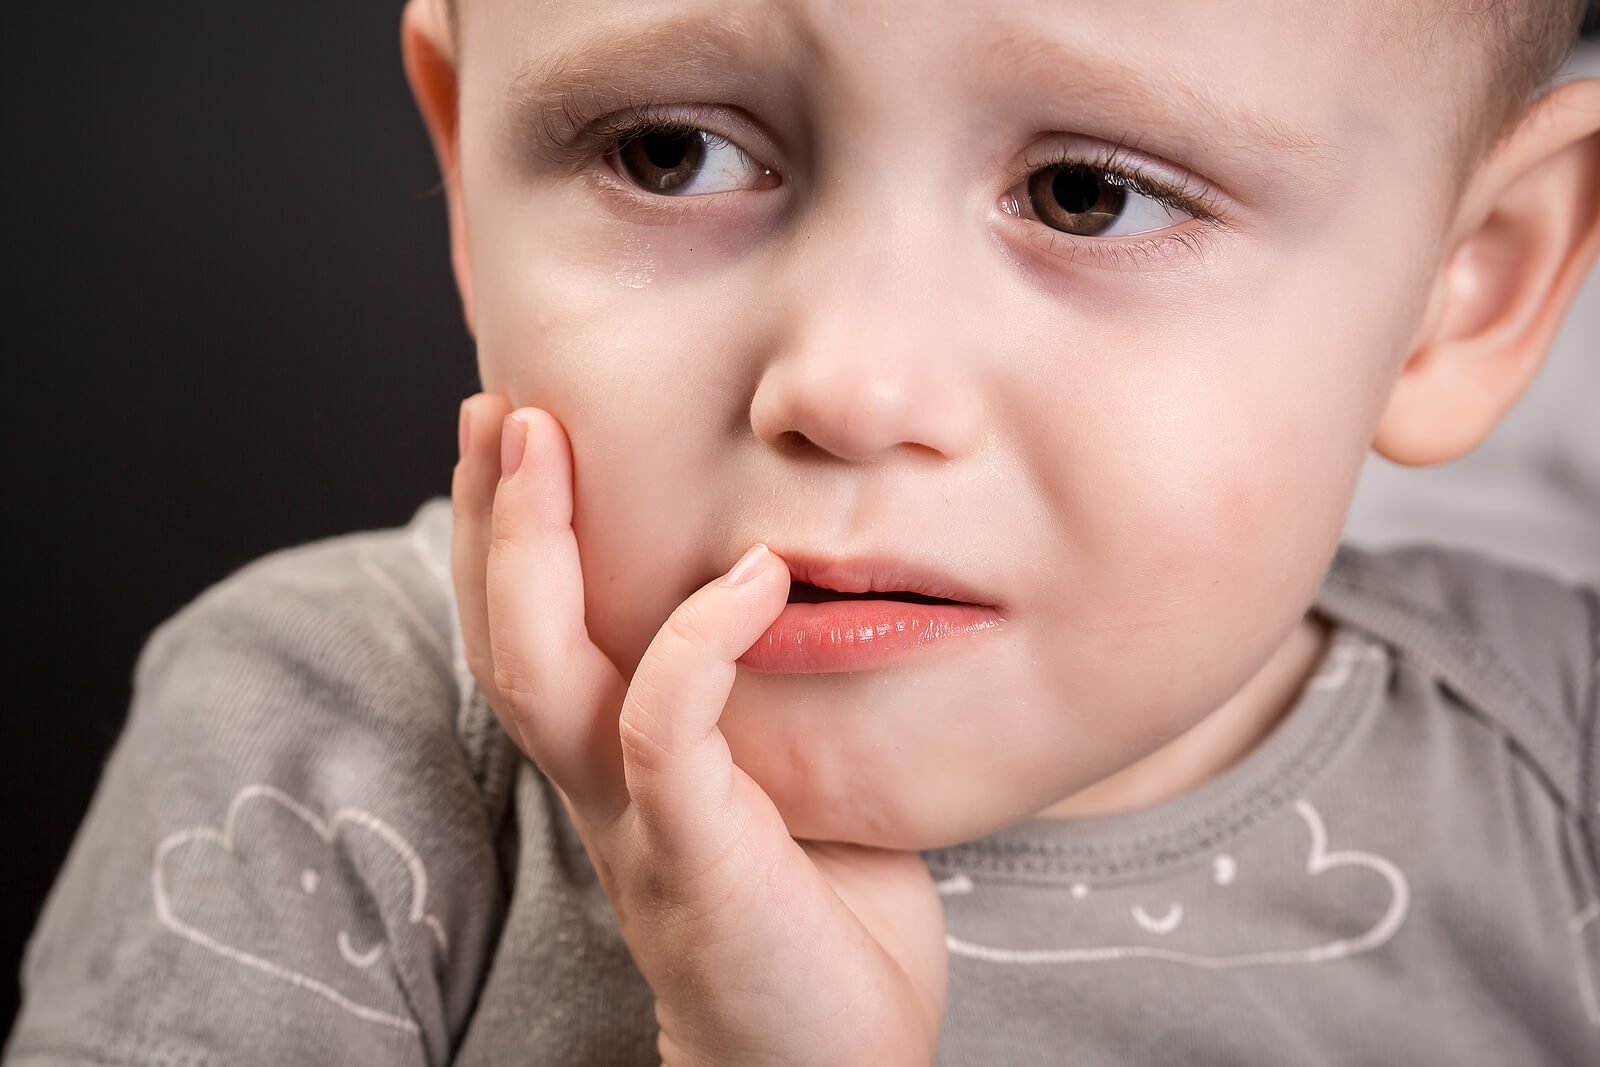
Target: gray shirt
<point>312,844</point>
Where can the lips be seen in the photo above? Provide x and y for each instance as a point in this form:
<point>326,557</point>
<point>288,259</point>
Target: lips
<point>859,614</point>
<point>881,578</point>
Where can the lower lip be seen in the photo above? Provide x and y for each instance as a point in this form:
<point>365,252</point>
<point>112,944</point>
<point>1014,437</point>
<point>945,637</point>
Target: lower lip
<point>854,635</point>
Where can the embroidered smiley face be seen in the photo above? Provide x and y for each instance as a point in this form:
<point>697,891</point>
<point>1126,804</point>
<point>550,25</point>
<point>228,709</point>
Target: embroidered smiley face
<point>1343,903</point>
<point>257,892</point>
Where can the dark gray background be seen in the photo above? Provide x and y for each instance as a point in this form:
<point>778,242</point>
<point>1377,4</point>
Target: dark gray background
<point>229,326</point>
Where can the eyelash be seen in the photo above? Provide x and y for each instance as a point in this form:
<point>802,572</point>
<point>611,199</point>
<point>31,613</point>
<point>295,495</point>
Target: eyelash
<point>1113,161</point>
<point>619,131</point>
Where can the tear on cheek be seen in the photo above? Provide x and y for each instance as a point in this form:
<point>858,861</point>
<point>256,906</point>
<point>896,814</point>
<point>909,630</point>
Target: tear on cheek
<point>636,266</point>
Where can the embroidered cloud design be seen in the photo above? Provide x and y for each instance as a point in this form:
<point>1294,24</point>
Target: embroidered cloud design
<point>258,892</point>
<point>1351,902</point>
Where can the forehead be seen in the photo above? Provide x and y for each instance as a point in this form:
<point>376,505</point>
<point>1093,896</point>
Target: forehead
<point>1309,81</point>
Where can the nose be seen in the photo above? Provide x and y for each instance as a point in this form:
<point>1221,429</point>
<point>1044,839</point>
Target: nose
<point>871,359</point>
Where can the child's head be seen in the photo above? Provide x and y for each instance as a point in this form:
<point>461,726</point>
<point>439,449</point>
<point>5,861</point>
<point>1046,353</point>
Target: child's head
<point>1097,306</point>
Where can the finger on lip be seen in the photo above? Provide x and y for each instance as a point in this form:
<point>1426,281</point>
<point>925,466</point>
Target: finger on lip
<point>750,564</point>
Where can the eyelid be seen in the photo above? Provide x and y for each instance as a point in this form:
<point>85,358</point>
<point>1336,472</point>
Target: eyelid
<point>1160,182</point>
<point>1157,249</point>
<point>1146,252</point>
<point>590,137</point>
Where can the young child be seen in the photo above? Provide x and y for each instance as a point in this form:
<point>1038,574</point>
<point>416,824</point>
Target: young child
<point>890,609</point>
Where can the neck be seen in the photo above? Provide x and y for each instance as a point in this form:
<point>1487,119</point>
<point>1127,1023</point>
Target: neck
<point>1216,742</point>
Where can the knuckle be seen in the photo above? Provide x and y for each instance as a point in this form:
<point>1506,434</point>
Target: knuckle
<point>642,746</point>
<point>504,539</point>
<point>645,736</point>
<point>690,625</point>
<point>513,699</point>
<point>516,684</point>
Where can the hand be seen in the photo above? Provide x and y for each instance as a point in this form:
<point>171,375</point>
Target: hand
<point>760,949</point>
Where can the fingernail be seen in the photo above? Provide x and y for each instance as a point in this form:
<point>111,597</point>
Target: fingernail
<point>463,430</point>
<point>750,564</point>
<point>513,442</point>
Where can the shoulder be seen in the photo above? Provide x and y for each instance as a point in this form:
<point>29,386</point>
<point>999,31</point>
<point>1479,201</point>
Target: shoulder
<point>344,650</point>
<point>346,602</point>
<point>1517,646</point>
<point>303,769</point>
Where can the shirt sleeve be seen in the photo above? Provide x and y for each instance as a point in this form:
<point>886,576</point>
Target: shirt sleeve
<point>289,857</point>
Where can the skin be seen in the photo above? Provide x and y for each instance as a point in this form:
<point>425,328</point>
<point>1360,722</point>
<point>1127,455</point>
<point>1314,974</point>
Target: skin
<point>1140,448</point>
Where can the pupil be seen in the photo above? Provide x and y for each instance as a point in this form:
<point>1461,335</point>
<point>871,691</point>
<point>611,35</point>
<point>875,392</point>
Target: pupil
<point>1075,190</point>
<point>664,150</point>
<point>662,160</point>
<point>1077,199</point>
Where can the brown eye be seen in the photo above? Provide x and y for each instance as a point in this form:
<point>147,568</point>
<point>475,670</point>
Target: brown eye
<point>660,161</point>
<point>1076,199</point>
<point>669,159</point>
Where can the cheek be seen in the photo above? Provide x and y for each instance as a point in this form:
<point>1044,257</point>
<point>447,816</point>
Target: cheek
<point>1173,474</point>
<point>645,405</point>
<point>1223,442</point>
<point>557,329</point>
<point>1199,485</point>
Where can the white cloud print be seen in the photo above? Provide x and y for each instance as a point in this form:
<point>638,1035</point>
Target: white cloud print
<point>1349,902</point>
<point>300,898</point>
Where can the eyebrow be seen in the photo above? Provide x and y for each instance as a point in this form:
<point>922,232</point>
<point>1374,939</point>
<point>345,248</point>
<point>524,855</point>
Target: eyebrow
<point>731,52</point>
<point>1115,88</point>
<point>608,66</point>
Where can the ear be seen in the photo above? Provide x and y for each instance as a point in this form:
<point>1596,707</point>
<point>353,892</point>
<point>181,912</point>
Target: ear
<point>1527,230</point>
<point>429,50</point>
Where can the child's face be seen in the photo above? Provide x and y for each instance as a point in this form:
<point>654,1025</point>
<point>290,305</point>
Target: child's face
<point>1135,433</point>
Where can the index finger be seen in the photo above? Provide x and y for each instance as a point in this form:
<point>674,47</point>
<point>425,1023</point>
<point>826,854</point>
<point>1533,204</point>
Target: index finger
<point>562,692</point>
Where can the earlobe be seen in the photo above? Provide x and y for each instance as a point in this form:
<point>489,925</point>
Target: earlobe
<point>1527,233</point>
<point>428,51</point>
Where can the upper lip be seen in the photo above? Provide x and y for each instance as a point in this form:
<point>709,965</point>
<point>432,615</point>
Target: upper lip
<point>879,574</point>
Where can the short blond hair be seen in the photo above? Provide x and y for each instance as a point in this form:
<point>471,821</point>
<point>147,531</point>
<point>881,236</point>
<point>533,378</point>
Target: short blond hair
<point>1522,45</point>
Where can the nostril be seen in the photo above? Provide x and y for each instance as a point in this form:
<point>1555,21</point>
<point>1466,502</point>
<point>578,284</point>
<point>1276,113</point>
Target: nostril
<point>795,441</point>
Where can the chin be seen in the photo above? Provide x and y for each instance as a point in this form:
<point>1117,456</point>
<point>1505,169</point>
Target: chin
<point>830,826</point>
<point>914,817</point>
<point>847,762</point>
<point>909,836</point>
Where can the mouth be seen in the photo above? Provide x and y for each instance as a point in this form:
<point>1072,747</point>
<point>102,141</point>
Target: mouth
<point>806,593</point>
<point>819,581</point>
<point>853,615</point>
